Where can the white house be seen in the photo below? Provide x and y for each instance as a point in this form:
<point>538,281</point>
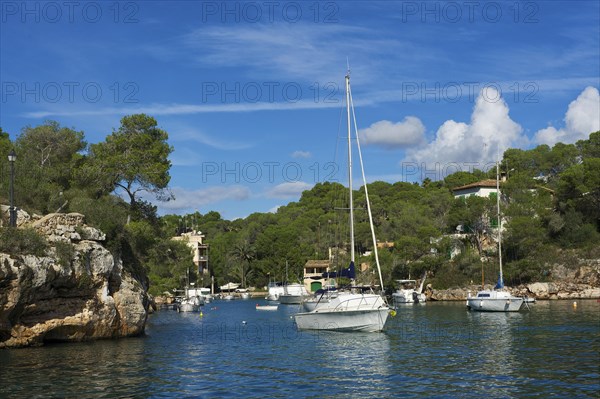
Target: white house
<point>481,188</point>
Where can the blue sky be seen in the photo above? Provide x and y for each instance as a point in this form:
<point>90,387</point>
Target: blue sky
<point>251,93</point>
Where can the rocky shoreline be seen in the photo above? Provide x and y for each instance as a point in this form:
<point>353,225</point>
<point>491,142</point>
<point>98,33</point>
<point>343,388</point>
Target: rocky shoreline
<point>538,291</point>
<point>582,282</point>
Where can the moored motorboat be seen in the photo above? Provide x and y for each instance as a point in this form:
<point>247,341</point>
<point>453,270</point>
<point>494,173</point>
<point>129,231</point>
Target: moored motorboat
<point>407,293</point>
<point>191,304</point>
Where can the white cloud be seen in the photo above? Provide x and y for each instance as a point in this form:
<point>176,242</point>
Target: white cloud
<point>409,132</point>
<point>274,209</point>
<point>158,109</point>
<point>194,199</point>
<point>301,154</point>
<point>581,119</point>
<point>490,130</point>
<point>289,189</point>
<point>202,138</point>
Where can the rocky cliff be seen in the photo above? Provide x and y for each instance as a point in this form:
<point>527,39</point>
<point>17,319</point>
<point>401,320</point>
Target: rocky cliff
<point>77,292</point>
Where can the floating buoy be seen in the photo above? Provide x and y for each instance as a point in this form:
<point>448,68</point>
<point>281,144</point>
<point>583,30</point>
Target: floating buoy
<point>574,304</point>
<point>244,322</point>
<point>201,314</point>
<point>393,313</point>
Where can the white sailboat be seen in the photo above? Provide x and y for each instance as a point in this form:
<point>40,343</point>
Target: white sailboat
<point>350,310</point>
<point>192,300</point>
<point>496,300</point>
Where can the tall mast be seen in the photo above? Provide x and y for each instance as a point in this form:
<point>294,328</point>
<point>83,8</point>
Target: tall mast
<point>350,167</point>
<point>499,220</point>
<point>362,169</point>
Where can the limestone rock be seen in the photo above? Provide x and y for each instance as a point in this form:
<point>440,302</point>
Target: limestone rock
<point>539,290</point>
<point>87,294</point>
<point>91,233</point>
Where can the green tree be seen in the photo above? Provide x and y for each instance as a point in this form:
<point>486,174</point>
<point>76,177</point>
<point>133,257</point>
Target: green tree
<point>46,156</point>
<point>244,253</point>
<point>133,158</point>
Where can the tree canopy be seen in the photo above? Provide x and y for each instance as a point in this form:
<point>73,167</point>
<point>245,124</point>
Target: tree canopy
<point>550,203</point>
<point>133,158</point>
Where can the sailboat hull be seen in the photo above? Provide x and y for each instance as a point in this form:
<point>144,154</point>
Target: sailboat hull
<point>494,301</point>
<point>351,312</point>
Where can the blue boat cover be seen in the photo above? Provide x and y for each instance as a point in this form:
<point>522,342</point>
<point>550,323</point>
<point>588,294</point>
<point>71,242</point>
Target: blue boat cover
<point>348,272</point>
<point>500,283</point>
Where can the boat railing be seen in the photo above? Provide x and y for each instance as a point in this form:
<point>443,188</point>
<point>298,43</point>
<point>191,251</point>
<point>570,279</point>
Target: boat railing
<point>356,303</point>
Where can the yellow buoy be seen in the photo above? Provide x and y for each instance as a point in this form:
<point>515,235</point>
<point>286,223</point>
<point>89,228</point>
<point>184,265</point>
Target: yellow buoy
<point>574,304</point>
<point>201,314</point>
<point>393,313</point>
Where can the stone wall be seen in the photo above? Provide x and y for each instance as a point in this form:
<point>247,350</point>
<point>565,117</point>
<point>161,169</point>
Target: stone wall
<point>50,298</point>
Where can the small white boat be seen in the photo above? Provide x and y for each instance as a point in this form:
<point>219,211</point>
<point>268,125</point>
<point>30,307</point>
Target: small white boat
<point>191,304</point>
<point>229,286</point>
<point>407,293</point>
<point>228,297</point>
<point>494,301</point>
<point>266,307</point>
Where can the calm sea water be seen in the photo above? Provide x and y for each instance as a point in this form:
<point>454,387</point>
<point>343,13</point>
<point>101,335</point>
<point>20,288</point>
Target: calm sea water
<point>432,350</point>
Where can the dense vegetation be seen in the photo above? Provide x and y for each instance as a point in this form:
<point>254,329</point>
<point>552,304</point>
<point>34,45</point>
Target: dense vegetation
<point>551,206</point>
